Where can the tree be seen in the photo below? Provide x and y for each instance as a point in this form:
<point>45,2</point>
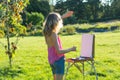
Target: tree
<point>107,11</point>
<point>94,8</point>
<point>73,5</point>
<point>11,20</point>
<point>41,6</point>
<point>116,8</point>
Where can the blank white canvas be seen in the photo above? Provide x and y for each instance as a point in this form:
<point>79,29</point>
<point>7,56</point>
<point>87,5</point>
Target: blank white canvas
<point>87,45</point>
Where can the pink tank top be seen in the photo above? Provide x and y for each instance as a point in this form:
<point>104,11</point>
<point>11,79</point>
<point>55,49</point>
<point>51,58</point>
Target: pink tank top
<point>52,53</point>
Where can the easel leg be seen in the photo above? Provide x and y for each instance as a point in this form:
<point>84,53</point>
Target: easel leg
<point>83,71</point>
<point>94,70</point>
<point>66,70</point>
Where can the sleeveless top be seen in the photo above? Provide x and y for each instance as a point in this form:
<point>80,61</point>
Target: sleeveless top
<point>52,53</point>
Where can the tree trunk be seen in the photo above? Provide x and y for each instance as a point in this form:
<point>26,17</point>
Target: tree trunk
<point>8,37</point>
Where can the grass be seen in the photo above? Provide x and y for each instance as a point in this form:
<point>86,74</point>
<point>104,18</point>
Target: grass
<point>30,61</point>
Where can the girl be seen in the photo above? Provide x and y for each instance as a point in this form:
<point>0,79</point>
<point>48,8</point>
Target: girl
<point>52,26</point>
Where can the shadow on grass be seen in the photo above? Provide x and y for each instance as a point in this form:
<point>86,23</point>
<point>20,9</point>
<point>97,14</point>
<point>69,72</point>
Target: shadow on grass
<point>99,74</point>
<point>67,34</point>
<point>10,72</point>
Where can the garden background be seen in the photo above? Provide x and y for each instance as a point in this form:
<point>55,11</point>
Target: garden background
<point>23,51</point>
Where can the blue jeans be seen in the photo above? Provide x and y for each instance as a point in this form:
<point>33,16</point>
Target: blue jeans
<point>58,66</point>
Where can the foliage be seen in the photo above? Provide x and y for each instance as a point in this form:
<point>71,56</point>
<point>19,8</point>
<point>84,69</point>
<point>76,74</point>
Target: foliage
<point>40,6</point>
<point>2,34</point>
<point>35,18</point>
<point>90,10</point>
<point>12,17</point>
<point>93,27</point>
<point>115,8</point>
<point>74,5</point>
<point>70,20</point>
<point>70,29</point>
<point>10,20</point>
<point>35,33</point>
<point>34,22</point>
<point>94,6</point>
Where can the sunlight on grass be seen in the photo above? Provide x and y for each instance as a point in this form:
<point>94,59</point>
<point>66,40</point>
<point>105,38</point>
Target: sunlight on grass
<point>31,63</point>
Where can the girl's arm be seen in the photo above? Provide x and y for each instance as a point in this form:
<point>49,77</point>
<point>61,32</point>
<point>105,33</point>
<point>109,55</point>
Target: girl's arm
<point>60,51</point>
<point>67,14</point>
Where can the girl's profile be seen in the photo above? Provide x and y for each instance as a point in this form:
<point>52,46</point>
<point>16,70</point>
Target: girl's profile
<point>52,26</point>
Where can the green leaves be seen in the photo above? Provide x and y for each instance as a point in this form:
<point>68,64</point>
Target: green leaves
<point>11,23</point>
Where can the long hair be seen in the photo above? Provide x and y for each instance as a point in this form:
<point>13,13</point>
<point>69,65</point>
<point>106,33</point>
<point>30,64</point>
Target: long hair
<point>50,23</point>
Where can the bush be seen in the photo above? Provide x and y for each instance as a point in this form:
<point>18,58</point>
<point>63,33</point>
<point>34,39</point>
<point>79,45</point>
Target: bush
<point>70,29</point>
<point>37,33</point>
<point>35,18</point>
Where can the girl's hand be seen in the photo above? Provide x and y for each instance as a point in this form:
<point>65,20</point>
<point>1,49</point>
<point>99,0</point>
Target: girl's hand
<point>73,48</point>
<point>67,14</point>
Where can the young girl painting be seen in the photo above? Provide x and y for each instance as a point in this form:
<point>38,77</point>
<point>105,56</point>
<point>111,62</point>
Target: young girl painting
<point>52,26</point>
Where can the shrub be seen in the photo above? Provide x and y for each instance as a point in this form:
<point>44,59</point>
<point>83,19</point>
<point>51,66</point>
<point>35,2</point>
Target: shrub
<point>38,33</point>
<point>70,29</point>
<point>35,17</point>
<point>86,26</point>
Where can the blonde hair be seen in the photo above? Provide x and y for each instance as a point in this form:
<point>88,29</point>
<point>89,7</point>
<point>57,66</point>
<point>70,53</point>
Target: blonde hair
<point>50,23</point>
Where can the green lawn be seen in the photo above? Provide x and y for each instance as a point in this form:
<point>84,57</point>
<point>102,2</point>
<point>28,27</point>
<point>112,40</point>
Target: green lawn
<point>30,61</point>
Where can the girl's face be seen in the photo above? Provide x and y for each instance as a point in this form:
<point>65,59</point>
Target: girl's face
<point>60,23</point>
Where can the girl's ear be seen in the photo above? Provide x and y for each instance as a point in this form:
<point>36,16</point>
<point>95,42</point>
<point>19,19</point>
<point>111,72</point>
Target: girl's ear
<point>67,14</point>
